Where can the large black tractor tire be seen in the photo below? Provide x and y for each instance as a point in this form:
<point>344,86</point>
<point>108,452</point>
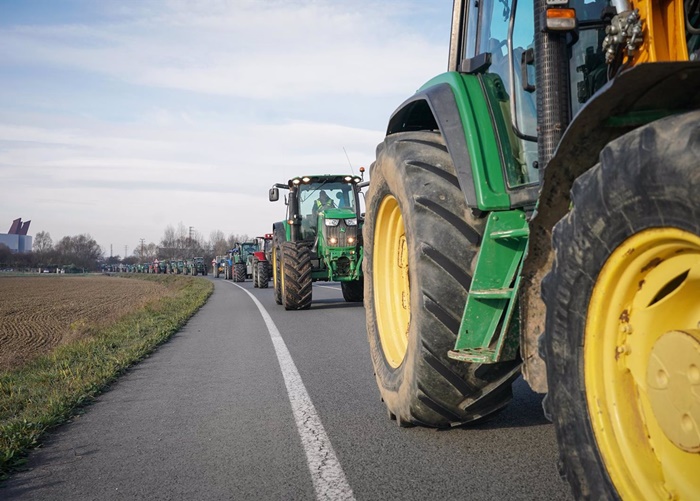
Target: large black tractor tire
<point>421,242</point>
<point>255,273</point>
<point>277,273</point>
<point>353,292</point>
<point>623,304</point>
<point>239,272</point>
<point>262,274</point>
<point>296,276</point>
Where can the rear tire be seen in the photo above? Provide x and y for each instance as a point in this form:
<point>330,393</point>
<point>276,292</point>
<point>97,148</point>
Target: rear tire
<point>255,273</point>
<point>296,267</point>
<point>353,292</point>
<point>263,274</point>
<point>239,272</point>
<point>277,273</point>
<point>622,319</point>
<point>417,275</point>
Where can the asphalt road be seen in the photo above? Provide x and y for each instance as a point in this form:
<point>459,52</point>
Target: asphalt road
<point>243,404</point>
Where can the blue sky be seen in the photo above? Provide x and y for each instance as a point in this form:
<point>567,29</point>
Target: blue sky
<point>120,117</point>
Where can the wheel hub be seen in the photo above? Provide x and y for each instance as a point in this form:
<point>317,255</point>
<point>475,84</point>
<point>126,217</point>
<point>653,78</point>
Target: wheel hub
<point>673,379</point>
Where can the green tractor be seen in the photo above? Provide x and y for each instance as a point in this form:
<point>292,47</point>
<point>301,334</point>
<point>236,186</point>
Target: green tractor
<point>536,209</point>
<point>242,256</point>
<point>321,239</point>
<point>199,266</point>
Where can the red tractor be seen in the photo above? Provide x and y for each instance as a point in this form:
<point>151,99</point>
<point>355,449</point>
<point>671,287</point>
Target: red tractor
<point>261,268</point>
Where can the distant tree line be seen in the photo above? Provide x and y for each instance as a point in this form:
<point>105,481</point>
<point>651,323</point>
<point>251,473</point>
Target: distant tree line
<point>78,253</point>
<point>82,253</point>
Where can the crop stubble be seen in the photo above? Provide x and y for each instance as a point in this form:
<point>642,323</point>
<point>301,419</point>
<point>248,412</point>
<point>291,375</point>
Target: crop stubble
<point>39,313</point>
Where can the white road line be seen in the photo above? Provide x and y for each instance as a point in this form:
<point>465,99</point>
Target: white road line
<point>327,475</point>
<point>329,287</point>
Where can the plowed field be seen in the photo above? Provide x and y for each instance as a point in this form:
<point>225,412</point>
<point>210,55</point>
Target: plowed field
<point>39,313</point>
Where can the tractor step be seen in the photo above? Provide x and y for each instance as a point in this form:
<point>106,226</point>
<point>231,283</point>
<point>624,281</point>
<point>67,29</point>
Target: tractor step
<point>484,334</point>
<point>475,355</point>
<point>492,294</point>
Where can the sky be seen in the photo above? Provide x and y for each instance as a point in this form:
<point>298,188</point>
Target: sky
<point>121,117</point>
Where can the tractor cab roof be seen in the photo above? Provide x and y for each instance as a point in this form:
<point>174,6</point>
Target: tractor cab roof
<point>323,179</point>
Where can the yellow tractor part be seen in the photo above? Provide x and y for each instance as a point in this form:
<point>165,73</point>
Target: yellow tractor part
<point>642,365</point>
<point>664,34</point>
<point>392,302</point>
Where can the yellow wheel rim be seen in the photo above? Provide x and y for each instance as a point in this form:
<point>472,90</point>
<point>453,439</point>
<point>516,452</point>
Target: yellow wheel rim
<point>392,298</point>
<point>274,266</point>
<point>642,365</point>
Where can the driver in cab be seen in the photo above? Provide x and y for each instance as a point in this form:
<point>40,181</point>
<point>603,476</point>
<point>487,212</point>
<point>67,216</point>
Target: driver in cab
<point>322,203</point>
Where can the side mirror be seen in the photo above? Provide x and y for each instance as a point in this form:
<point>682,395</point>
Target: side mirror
<point>274,194</point>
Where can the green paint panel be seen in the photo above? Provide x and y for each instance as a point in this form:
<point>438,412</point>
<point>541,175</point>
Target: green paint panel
<point>484,331</point>
<point>481,139</point>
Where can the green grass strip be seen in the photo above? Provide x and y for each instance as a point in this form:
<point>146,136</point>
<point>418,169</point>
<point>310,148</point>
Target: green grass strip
<point>49,390</point>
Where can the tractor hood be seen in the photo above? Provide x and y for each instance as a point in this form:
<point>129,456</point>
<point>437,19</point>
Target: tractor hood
<point>339,213</point>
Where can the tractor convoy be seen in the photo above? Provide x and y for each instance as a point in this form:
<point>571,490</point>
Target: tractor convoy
<point>534,210</point>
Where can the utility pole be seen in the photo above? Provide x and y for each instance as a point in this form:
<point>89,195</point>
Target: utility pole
<point>125,253</point>
<point>142,252</point>
<point>110,251</point>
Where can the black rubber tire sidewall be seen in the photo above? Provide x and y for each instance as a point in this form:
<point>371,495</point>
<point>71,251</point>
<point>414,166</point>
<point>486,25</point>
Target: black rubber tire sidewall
<point>647,178</point>
<point>428,388</point>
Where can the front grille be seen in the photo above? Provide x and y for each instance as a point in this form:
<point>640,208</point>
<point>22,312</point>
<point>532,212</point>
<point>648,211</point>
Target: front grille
<point>342,233</point>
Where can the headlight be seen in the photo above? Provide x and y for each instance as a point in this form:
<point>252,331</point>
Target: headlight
<point>351,221</point>
<point>333,240</point>
<point>332,222</point>
<point>351,240</point>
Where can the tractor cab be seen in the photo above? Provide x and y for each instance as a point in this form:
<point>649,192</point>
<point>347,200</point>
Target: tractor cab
<point>320,202</point>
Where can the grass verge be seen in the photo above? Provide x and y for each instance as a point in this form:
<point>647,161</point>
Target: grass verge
<point>49,390</point>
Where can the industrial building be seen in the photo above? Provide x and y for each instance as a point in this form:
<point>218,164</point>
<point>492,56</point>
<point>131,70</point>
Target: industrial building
<point>16,238</point>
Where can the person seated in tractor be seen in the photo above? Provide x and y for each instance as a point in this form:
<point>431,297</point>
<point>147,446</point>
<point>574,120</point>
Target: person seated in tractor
<point>322,203</point>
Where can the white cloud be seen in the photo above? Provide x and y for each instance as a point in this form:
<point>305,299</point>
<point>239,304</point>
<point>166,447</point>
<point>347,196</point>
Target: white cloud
<point>261,50</point>
<point>104,141</point>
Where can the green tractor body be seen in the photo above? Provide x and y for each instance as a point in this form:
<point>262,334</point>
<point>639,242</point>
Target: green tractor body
<point>321,239</point>
<point>533,203</point>
<point>199,266</point>
<point>241,257</point>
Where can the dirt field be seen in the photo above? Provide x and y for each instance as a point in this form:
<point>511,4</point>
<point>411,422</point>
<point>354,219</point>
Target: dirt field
<point>39,313</point>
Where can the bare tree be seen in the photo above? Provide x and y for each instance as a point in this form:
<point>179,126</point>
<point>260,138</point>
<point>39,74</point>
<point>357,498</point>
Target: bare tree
<point>81,251</point>
<point>42,242</point>
<point>234,238</point>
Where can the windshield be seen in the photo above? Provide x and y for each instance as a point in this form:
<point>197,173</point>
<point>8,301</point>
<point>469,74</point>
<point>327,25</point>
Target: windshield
<point>249,248</point>
<point>340,195</point>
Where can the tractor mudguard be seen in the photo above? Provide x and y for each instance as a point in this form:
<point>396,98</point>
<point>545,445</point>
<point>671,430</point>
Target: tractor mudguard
<point>436,108</point>
<point>461,108</point>
<point>280,231</point>
<point>260,255</point>
<point>638,96</point>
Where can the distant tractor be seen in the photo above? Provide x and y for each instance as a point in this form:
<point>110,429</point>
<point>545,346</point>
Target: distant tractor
<point>200,267</point>
<point>220,267</point>
<point>320,239</point>
<point>242,258</point>
<point>261,268</point>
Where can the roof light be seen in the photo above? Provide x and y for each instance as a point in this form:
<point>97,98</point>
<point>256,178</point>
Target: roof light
<point>306,179</point>
<point>295,181</point>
